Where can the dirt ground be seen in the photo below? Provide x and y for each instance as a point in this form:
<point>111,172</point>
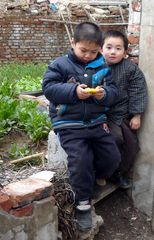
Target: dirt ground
<point>122,221</point>
<point>19,138</point>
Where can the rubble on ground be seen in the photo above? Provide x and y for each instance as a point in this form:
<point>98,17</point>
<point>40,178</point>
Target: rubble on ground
<point>63,195</point>
<point>93,9</point>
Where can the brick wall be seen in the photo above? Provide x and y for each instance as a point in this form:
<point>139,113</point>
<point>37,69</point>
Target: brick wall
<point>134,29</point>
<point>27,38</point>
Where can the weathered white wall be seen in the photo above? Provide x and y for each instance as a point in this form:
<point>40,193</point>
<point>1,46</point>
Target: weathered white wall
<point>144,167</point>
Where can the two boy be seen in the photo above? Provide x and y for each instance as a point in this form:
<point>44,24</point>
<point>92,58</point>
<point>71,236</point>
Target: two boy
<point>78,113</point>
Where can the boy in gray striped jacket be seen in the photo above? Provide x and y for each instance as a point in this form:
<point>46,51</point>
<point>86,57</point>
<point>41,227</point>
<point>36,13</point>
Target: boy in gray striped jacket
<point>125,116</point>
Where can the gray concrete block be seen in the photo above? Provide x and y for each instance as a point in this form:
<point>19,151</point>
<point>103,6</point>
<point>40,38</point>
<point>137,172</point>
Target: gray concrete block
<point>43,224</point>
<point>57,157</point>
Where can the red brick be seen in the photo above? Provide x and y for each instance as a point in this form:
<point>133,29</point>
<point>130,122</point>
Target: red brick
<point>22,211</point>
<point>26,191</point>
<point>5,202</point>
<point>133,39</point>
<point>136,5</point>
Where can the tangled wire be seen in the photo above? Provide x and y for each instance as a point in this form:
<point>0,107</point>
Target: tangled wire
<point>64,197</point>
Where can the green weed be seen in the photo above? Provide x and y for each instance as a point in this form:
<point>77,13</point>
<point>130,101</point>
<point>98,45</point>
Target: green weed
<point>17,150</point>
<point>15,78</point>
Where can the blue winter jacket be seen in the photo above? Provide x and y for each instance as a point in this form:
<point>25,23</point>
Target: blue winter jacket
<point>59,86</point>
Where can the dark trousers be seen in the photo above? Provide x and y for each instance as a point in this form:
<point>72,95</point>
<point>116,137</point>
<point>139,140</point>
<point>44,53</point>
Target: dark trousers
<point>127,143</point>
<point>92,152</point>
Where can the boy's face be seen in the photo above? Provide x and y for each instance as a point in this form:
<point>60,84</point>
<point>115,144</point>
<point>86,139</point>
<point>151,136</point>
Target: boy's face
<point>113,50</point>
<point>86,51</point>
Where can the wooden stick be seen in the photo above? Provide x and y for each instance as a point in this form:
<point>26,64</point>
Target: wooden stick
<point>27,158</point>
<point>66,27</point>
<point>69,17</point>
<point>58,21</point>
<point>100,24</point>
<point>122,16</point>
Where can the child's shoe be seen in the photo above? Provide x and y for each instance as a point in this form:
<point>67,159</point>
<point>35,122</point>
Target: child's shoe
<point>98,187</point>
<point>83,215</point>
<point>123,182</point>
<point>101,181</point>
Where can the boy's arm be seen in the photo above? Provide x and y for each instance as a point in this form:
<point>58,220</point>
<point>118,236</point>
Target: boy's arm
<point>55,86</point>
<point>137,90</point>
<point>110,91</point>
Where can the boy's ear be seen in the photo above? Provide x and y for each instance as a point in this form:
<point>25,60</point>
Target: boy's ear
<point>72,42</point>
<point>126,54</point>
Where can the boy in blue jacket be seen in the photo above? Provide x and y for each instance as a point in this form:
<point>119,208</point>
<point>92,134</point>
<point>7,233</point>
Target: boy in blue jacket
<point>80,91</point>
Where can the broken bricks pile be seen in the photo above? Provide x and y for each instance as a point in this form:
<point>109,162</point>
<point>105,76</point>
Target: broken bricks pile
<point>20,200</point>
<point>28,210</point>
<point>71,8</point>
<point>33,7</point>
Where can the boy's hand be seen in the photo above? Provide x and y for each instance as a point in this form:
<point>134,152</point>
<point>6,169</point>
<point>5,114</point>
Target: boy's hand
<point>81,92</point>
<point>100,93</point>
<point>135,122</point>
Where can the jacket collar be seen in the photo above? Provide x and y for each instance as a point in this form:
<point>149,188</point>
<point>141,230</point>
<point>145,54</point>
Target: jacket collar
<point>98,61</point>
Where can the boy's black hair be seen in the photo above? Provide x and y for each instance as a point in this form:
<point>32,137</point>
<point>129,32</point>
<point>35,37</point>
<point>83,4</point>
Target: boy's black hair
<point>116,34</point>
<point>88,31</point>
